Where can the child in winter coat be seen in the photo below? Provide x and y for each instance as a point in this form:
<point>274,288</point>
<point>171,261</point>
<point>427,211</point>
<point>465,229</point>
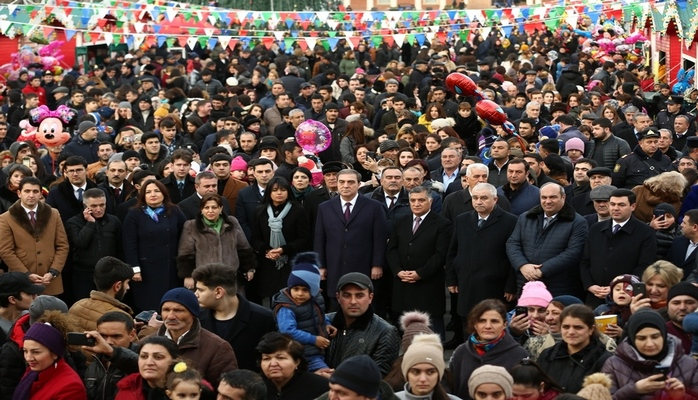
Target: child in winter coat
<point>618,303</point>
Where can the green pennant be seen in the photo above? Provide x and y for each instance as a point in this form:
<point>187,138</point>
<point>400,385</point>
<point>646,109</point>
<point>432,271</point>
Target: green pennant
<point>191,31</point>
<point>339,16</point>
<point>289,42</point>
<point>489,14</point>
<point>187,15</point>
<point>203,41</point>
<point>258,23</point>
<point>332,33</point>
<point>26,29</point>
<point>464,34</point>
<point>410,39</point>
<point>552,23</point>
<point>119,13</point>
<point>170,41</point>
<point>117,38</point>
<point>88,37</point>
<point>266,16</point>
<point>259,33</point>
<point>119,24</point>
<point>377,40</point>
<point>325,44</point>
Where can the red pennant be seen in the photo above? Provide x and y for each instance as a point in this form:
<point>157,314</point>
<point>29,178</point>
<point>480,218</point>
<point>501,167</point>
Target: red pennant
<point>243,33</point>
<point>101,22</point>
<point>33,14</point>
<point>611,13</point>
<point>49,10</point>
<point>303,44</point>
<point>313,34</point>
<point>389,39</point>
<point>355,40</point>
<point>68,10</point>
<point>305,25</point>
<point>232,44</point>
<point>443,36</point>
<point>355,16</point>
<point>268,42</point>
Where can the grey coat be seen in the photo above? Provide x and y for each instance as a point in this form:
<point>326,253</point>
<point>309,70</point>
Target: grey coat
<point>558,248</point>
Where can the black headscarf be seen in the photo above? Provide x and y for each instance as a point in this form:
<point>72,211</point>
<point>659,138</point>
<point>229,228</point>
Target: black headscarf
<point>645,318</point>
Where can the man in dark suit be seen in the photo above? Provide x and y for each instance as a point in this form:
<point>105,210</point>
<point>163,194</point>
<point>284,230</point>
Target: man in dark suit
<point>391,194</point>
<point>205,183</point>
<point>416,257</point>
<point>682,252</point>
<point>621,245</point>
<point>250,197</point>
<point>229,315</point>
<point>117,188</point>
<point>350,233</point>
<point>460,202</point>
<point>66,197</point>
<point>477,265</point>
<point>179,183</point>
<point>326,192</point>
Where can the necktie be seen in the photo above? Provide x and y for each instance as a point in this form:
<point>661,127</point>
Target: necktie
<point>616,228</point>
<point>80,194</point>
<point>347,211</point>
<point>332,194</point>
<point>32,217</point>
<point>546,221</point>
<point>480,222</point>
<point>180,186</point>
<point>416,224</point>
<point>392,201</point>
<point>117,192</point>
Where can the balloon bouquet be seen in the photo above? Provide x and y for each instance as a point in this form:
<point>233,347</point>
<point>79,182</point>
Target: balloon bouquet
<point>313,137</point>
<point>49,57</point>
<point>488,110</point>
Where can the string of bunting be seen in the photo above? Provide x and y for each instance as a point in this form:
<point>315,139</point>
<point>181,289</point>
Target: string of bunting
<point>162,22</point>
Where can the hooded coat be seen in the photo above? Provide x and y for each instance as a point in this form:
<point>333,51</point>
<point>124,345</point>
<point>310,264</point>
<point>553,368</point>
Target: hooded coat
<point>667,187</point>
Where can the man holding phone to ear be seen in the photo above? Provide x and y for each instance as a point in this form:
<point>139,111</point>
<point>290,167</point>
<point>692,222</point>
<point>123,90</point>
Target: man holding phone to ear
<point>621,245</point>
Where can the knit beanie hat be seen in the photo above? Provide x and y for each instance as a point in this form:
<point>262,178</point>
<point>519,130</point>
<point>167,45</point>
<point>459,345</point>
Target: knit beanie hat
<point>645,318</point>
<point>48,336</point>
<point>683,289</point>
<point>424,349</point>
<point>238,164</point>
<point>45,303</point>
<point>567,300</point>
<point>84,126</point>
<point>388,145</point>
<point>305,272</point>
<point>596,387</point>
<point>626,280</point>
<point>491,374</point>
<point>184,297</point>
<point>161,112</point>
<point>361,375</point>
<point>129,154</point>
<point>535,294</point>
<point>413,323</point>
<point>574,144</point>
<point>125,104</point>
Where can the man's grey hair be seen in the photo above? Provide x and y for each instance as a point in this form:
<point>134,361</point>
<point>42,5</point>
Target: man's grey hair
<point>477,166</point>
<point>486,186</point>
<point>294,112</point>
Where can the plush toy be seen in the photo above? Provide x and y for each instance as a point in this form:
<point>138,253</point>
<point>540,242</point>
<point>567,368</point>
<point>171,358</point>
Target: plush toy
<point>53,125</point>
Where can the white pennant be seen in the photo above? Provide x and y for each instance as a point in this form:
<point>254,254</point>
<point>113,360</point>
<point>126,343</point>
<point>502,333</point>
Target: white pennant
<point>209,31</point>
<point>139,26</point>
<point>322,15</point>
<point>4,25</point>
<point>171,13</point>
<point>242,15</point>
<point>138,40</point>
<point>279,35</point>
<point>224,40</point>
<point>108,37</point>
<point>311,42</point>
<point>191,42</point>
<point>346,37</point>
<point>399,39</point>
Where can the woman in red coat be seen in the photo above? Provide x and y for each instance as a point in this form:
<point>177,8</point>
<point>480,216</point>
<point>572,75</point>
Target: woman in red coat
<point>48,376</point>
<point>156,357</point>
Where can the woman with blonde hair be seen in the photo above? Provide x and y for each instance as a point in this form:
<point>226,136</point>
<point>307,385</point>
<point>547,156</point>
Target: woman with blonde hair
<point>658,279</point>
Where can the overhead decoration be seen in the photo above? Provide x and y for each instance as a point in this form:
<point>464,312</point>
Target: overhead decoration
<point>165,22</point>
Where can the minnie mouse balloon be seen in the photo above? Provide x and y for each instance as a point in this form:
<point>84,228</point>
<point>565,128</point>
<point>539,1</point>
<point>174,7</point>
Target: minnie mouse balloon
<point>461,84</point>
<point>491,112</point>
<point>313,136</point>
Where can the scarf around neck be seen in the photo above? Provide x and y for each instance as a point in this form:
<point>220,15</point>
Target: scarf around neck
<point>483,346</point>
<point>276,239</point>
<point>215,225</point>
<point>153,213</point>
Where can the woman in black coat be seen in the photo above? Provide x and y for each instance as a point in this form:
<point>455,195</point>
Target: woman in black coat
<point>579,354</point>
<point>151,233</point>
<point>8,192</point>
<point>279,231</point>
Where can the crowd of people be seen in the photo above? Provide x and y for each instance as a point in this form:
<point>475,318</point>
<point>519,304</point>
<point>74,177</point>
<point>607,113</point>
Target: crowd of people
<point>184,244</point>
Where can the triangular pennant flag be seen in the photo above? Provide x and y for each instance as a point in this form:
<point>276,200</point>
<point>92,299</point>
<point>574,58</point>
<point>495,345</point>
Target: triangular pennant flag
<point>322,15</point>
<point>212,42</point>
<point>224,41</point>
<point>311,42</point>
<point>69,34</point>
<point>170,13</point>
<point>117,39</point>
<point>138,39</point>
<point>289,42</point>
<point>161,40</point>
<point>232,43</point>
<point>108,37</point>
<point>139,26</point>
<point>202,41</point>
<point>399,39</point>
<point>170,42</point>
<point>268,41</point>
<point>191,42</point>
<point>209,31</point>
<point>353,41</point>
<point>279,35</point>
<point>303,44</point>
<point>242,15</point>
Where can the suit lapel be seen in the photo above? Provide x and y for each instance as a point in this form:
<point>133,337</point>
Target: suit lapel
<point>360,203</point>
<point>423,225</point>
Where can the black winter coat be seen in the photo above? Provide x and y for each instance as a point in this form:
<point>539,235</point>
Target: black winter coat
<point>62,198</point>
<point>569,370</point>
<point>90,241</point>
<point>100,381</point>
<point>567,84</point>
<point>302,386</point>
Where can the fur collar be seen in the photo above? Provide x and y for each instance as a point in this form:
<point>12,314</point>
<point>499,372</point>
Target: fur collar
<point>43,215</point>
<point>567,213</point>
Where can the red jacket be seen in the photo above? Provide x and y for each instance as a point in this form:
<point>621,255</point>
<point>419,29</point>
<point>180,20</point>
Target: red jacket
<point>41,92</point>
<point>130,388</point>
<point>58,382</point>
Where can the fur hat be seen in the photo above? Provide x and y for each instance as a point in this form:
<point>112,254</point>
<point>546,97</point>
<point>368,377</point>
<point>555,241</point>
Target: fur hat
<point>413,323</point>
<point>442,123</point>
<point>596,387</point>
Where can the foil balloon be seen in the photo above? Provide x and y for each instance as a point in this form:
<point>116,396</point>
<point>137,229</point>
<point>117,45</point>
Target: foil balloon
<point>491,112</point>
<point>461,85</point>
<point>313,136</point>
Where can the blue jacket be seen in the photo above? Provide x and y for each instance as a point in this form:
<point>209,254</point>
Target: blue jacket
<point>528,197</point>
<point>86,149</point>
<point>302,321</point>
